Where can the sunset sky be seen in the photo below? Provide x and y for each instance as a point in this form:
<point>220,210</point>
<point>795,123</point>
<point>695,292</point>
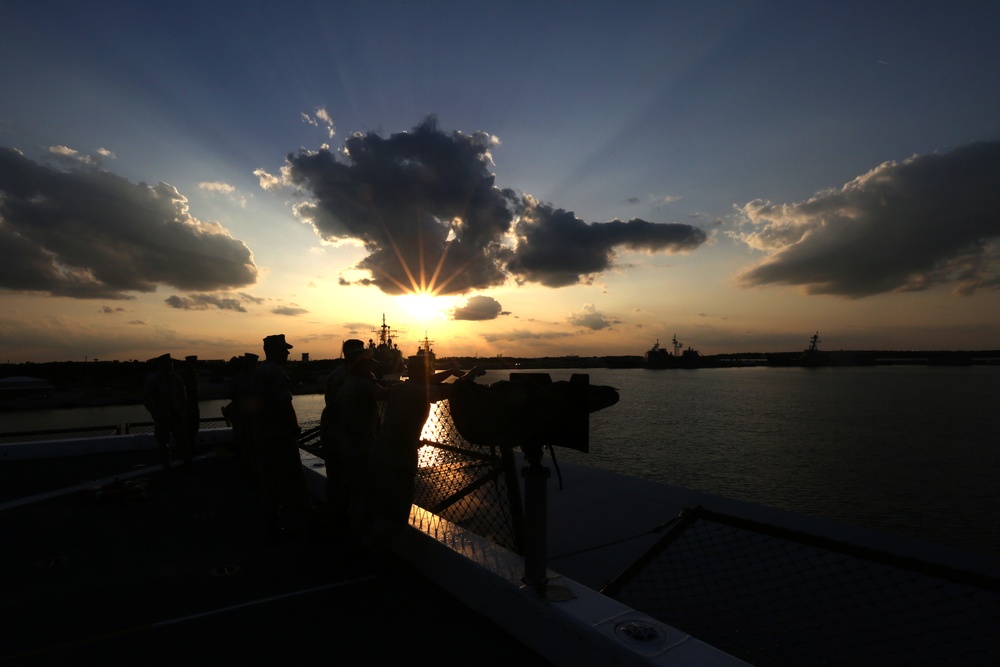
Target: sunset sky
<point>521,178</point>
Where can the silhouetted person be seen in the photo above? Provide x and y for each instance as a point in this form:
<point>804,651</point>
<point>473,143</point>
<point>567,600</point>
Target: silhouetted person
<point>165,398</point>
<point>357,422</point>
<point>393,463</point>
<point>189,373</point>
<point>336,490</point>
<point>238,411</point>
<point>287,504</point>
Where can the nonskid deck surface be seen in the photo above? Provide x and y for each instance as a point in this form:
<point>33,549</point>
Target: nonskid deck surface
<point>184,576</point>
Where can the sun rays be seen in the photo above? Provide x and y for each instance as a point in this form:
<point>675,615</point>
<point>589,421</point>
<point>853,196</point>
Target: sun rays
<point>419,283</point>
<point>423,288</point>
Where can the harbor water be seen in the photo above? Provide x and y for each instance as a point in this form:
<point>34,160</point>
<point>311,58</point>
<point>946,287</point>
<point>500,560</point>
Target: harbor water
<point>912,450</point>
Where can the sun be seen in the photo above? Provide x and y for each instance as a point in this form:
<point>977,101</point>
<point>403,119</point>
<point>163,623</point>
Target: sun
<point>422,306</point>
<point>425,308</point>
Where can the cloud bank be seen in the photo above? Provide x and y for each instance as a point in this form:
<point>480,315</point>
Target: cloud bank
<point>556,248</point>
<point>87,233</point>
<point>929,220</point>
<point>426,207</point>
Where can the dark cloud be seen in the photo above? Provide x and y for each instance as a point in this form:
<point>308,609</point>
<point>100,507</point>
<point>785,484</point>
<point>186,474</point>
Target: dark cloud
<point>556,248</point>
<point>289,310</point>
<point>591,319</point>
<point>206,302</point>
<point>479,308</point>
<point>366,282</point>
<point>87,233</point>
<point>423,203</point>
<point>929,220</point>
<point>426,207</point>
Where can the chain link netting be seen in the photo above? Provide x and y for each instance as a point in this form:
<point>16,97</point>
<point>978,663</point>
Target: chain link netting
<point>475,487</point>
<point>472,486</point>
<point>776,597</point>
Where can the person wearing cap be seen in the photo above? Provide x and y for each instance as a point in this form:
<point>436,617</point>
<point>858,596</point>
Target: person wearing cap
<point>287,504</point>
<point>393,465</point>
<point>166,400</point>
<point>356,412</point>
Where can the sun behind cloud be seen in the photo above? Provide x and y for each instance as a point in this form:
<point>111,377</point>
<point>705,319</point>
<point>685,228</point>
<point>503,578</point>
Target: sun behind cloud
<point>424,307</point>
<point>420,306</point>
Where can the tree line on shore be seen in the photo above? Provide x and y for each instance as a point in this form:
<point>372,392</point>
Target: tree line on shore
<point>90,375</point>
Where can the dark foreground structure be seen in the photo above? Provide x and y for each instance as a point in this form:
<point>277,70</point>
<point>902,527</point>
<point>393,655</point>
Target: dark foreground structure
<point>176,572</point>
<point>169,568</point>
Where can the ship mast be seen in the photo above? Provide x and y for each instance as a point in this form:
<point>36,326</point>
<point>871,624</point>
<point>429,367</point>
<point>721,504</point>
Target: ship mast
<point>426,345</point>
<point>385,333</point>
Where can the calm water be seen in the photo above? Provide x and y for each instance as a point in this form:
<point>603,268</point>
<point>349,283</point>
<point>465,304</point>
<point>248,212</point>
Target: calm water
<point>913,450</point>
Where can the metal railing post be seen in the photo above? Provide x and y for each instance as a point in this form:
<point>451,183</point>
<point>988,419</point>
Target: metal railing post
<point>536,477</point>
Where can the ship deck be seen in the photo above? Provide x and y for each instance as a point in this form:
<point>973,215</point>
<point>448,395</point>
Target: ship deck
<point>184,577</point>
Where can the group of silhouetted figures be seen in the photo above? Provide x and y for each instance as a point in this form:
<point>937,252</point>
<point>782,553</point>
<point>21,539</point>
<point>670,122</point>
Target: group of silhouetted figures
<point>371,462</point>
<point>371,456</point>
<point>172,401</point>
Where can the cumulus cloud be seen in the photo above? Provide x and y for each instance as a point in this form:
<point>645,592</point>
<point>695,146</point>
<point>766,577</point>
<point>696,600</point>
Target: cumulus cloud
<point>225,189</point>
<point>556,248</point>
<point>929,220</point>
<point>87,233</point>
<point>270,182</point>
<point>217,186</point>
<point>426,208</point>
<point>64,152</point>
<point>423,203</point>
<point>321,118</point>
<point>479,308</point>
<point>207,302</point>
<point>590,318</point>
<point>74,158</point>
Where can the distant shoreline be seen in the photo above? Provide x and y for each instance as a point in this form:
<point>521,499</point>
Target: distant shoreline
<point>65,385</point>
<point>736,360</point>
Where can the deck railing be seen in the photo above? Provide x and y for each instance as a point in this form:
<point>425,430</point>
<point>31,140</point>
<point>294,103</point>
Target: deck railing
<point>473,486</point>
<point>103,430</point>
<point>470,485</point>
